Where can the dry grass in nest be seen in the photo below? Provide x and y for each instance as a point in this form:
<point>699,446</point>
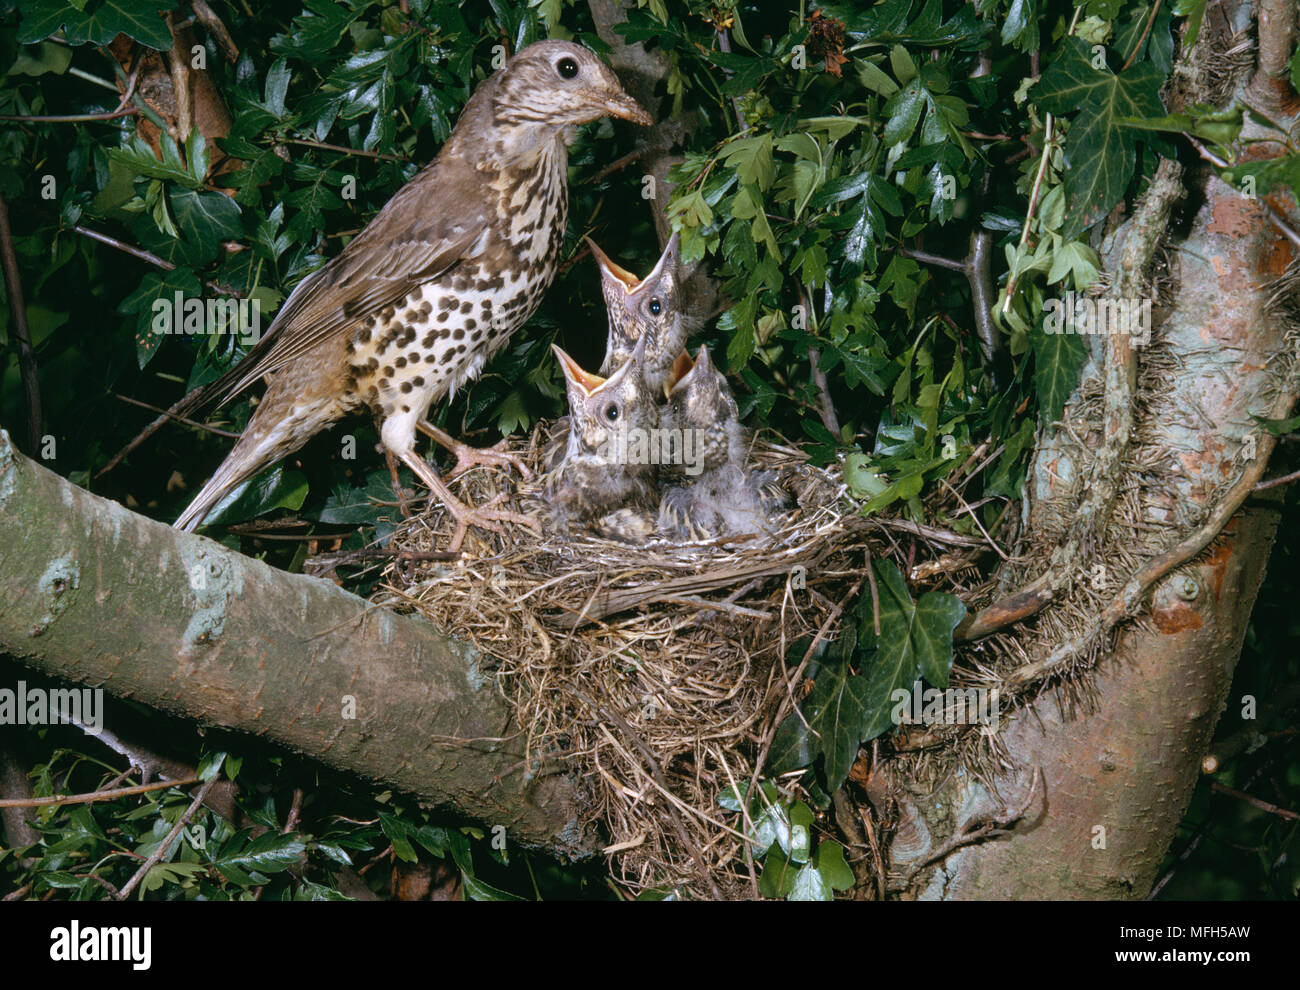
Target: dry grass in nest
<point>654,672</point>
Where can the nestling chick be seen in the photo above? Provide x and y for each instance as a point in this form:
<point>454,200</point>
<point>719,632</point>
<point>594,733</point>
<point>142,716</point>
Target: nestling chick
<point>703,415</point>
<point>717,495</point>
<point>596,476</point>
<point>640,308</point>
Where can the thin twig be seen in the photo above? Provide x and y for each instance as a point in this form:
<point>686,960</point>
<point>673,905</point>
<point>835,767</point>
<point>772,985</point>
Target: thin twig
<point>150,257</point>
<point>93,796</point>
<point>72,118</point>
<point>180,419</point>
<point>91,78</point>
<point>344,150</point>
<point>21,333</point>
<point>217,28</point>
<point>926,258</point>
<point>1155,9</point>
<point>1259,803</point>
<point>1286,479</point>
<point>166,843</point>
<point>1033,205</point>
<point>621,163</point>
<point>724,46</point>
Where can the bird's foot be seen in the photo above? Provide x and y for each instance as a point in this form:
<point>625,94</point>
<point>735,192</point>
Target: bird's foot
<point>467,457</point>
<point>403,494</point>
<point>484,517</point>
<point>495,456</point>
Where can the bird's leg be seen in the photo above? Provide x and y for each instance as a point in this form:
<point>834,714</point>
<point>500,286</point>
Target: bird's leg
<point>484,517</point>
<point>467,456</point>
<point>403,503</point>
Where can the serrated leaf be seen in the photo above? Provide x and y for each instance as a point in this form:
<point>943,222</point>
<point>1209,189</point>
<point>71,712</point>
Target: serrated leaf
<point>903,111</point>
<point>270,852</point>
<point>876,79</point>
<point>140,159</point>
<point>477,890</point>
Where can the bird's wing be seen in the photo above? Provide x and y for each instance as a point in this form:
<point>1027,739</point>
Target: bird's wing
<point>423,231</point>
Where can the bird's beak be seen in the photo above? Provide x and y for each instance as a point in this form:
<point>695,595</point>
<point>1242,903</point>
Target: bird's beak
<point>667,263</point>
<point>573,373</point>
<point>682,364</point>
<point>704,361</point>
<point>610,271</point>
<point>619,104</point>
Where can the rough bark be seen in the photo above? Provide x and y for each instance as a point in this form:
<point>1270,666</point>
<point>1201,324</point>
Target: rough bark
<point>96,594</point>
<point>1119,749</point>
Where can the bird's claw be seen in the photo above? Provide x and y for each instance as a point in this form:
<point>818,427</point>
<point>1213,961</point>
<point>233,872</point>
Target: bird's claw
<point>488,518</point>
<point>468,457</point>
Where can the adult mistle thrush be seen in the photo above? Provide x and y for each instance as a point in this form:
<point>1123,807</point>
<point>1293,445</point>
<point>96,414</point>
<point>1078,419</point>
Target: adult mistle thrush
<point>436,283</point>
<point>643,307</point>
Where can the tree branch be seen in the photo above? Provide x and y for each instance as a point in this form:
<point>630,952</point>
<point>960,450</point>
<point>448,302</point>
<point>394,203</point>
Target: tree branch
<point>94,593</point>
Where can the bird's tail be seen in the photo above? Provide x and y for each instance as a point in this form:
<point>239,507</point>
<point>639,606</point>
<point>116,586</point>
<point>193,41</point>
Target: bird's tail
<point>273,432</point>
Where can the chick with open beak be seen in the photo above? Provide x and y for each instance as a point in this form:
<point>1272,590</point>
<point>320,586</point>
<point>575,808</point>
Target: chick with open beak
<point>648,308</point>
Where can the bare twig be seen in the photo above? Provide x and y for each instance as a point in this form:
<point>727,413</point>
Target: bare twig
<point>165,846</point>
<point>18,312</point>
<point>1286,479</point>
<point>344,150</point>
<point>180,419</point>
<point>93,796</point>
<point>724,46</point>
<point>1262,805</point>
<point>1146,30</point>
<point>214,24</point>
<point>71,118</point>
<point>148,256</point>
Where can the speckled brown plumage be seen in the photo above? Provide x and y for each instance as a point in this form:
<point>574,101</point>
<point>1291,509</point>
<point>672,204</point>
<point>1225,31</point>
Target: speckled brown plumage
<point>419,301</point>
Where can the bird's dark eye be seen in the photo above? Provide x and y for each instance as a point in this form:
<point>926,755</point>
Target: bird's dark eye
<point>611,413</point>
<point>656,307</point>
<point>566,67</point>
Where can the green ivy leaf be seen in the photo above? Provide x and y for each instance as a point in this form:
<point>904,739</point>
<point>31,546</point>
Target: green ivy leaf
<point>778,876</point>
<point>97,22</point>
<point>1058,359</point>
<point>1100,150</point>
<point>809,885</point>
<point>273,489</point>
<point>51,58</point>
<point>205,219</point>
<point>915,641</point>
<point>829,862</point>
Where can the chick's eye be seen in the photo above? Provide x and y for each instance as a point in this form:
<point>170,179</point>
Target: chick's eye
<point>611,413</point>
<point>656,307</point>
<point>566,67</point>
